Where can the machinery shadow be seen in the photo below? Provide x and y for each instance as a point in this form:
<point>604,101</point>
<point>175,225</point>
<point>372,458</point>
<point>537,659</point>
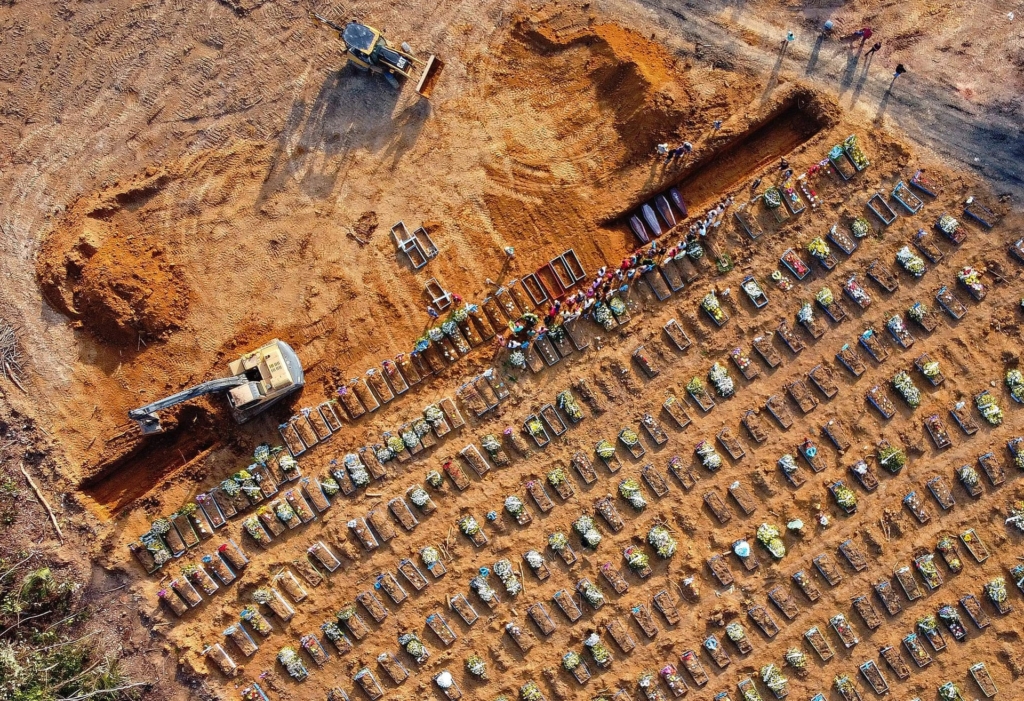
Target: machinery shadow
<point>352,114</point>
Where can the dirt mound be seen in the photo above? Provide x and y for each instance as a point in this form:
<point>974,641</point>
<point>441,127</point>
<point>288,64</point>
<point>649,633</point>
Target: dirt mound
<point>99,269</point>
<point>628,75</point>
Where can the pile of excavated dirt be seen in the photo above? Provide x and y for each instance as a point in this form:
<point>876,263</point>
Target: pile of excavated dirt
<point>101,268</point>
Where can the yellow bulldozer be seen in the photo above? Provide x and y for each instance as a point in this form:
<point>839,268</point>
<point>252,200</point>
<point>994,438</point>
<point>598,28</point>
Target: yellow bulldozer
<point>368,50</point>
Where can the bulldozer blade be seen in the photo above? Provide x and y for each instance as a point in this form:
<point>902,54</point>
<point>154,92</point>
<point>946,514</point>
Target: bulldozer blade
<point>428,79</point>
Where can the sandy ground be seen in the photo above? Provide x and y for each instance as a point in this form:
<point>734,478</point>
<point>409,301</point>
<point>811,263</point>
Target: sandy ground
<point>188,180</point>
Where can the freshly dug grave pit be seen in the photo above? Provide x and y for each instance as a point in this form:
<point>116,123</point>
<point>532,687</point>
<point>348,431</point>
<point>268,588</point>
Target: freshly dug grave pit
<point>132,464</point>
<point>793,123</point>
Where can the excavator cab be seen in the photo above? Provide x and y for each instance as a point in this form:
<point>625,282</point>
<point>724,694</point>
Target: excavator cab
<point>258,380</point>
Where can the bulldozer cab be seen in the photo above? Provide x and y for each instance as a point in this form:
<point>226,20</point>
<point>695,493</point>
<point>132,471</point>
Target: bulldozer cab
<point>360,39</point>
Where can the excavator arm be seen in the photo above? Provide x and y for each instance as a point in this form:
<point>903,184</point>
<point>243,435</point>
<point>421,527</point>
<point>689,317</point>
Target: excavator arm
<point>146,416</point>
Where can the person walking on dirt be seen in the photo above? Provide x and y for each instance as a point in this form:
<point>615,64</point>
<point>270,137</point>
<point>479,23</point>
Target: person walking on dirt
<point>864,34</point>
<point>431,313</point>
<point>877,45</point>
<point>900,70</point>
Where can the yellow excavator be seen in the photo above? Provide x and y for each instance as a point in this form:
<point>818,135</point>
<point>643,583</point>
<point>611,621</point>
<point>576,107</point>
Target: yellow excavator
<point>368,50</point>
<point>259,379</point>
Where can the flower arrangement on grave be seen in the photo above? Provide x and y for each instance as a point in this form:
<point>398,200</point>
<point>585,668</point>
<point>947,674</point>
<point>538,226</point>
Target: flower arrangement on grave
<point>843,684</point>
<point>535,428</point>
<point>469,526</point>
<point>253,528</point>
<point>1015,381</point>
<point>948,225</point>
<point>662,541</point>
<point>332,631</point>
<point>709,457</point>
<point>990,411</point>
<point>592,594</point>
<point>629,437</point>
<point>617,306</point>
<point>534,559</point>
<point>892,458</point>
<point>410,439</point>
<point>719,377</point>
<point>558,541</point>
<point>629,488</point>
<point>711,305</point>
<point>585,526</point>
<point>788,464</point>
<point>793,260</point>
<point>695,386</point>
<point>567,403</point>
<point>769,536</point>
<point>484,590</point>
<point>434,415</point>
<point>383,453</point>
<point>636,558</point>
<point>514,505</point>
<point>646,680</point>
<point>397,444</point>
<point>752,288</point>
<point>230,487</point>
<point>503,568</point>
<point>571,660</point>
<point>742,361</point>
<point>855,153</point>
<point>931,369</point>
<point>291,661</point>
<point>734,631</point>
<point>414,646</point>
<point>773,198</point>
<point>430,555</point>
<point>949,692</point>
<point>448,327</point>
<point>605,449</point>
<point>1016,517</point>
<point>530,692</point>
<point>781,280</point>
<point>419,496</point>
<point>603,316</point>
<point>262,453</point>
<point>329,486</point>
<point>602,655</point>
<point>517,359</point>
<point>773,679</point>
<point>421,427</point>
<point>257,620</point>
<point>968,475</point>
<point>435,334</point>
<point>556,477</point>
<point>695,251</point>
<point>491,444</point>
<point>476,666</point>
<point>160,526</point>
<point>818,248</point>
<point>996,590</point>
<point>796,659</point>
<point>806,313</point>
<point>155,545</point>
<point>284,511</point>
<point>845,496</point>
<point>434,479</point>
<point>918,312</point>
<point>971,278</point>
<point>346,612</point>
<point>904,384</point>
<point>912,263</point>
<point>860,227</point>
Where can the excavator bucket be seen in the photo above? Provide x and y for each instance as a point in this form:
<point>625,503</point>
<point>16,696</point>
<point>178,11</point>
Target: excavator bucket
<point>428,79</point>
